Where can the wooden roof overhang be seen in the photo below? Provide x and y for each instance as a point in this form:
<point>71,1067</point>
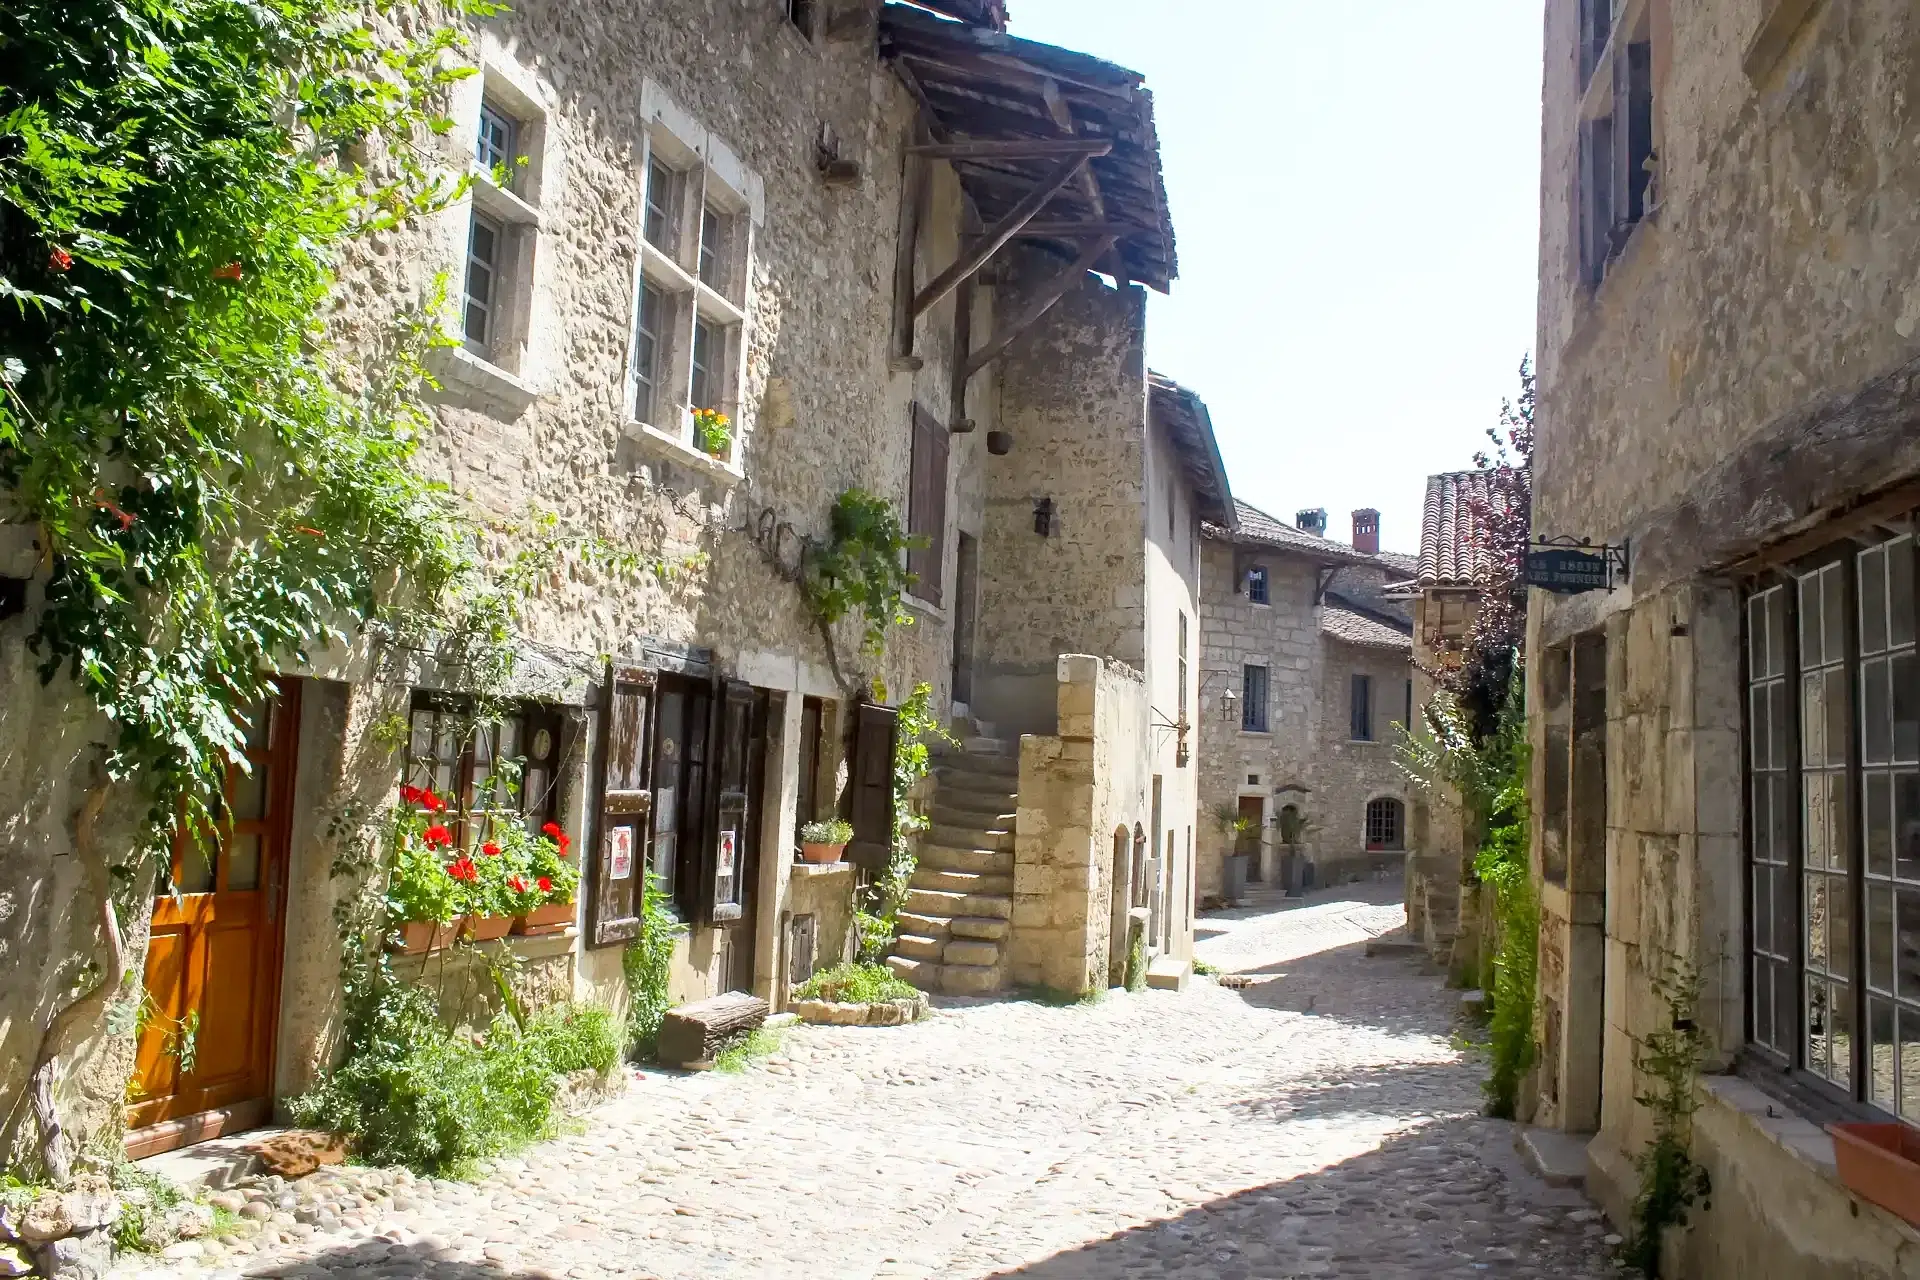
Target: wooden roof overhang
<point>1189,426</point>
<point>1052,147</point>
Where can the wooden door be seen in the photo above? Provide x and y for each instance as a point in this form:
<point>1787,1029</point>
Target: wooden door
<point>623,843</point>
<point>870,799</point>
<point>1252,809</point>
<point>204,1061</point>
<point>749,722</point>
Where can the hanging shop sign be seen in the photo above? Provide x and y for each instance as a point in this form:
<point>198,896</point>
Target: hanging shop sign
<point>1569,566</point>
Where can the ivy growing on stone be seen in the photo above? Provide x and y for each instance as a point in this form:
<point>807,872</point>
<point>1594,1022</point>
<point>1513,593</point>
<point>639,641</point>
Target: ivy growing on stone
<point>862,566</point>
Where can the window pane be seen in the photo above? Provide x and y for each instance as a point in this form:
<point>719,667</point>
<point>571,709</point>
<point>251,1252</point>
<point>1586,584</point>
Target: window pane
<point>1762,824</point>
<point>1763,909</point>
<point>250,793</point>
<point>1785,911</point>
<point>646,352</point>
<point>1819,910</point>
<point>1813,818</point>
<point>1880,1053</point>
<point>1780,724</point>
<point>1908,1027</point>
<point>1810,629</point>
<point>1840,927</point>
<point>495,144</point>
<point>1813,719</point>
<point>1876,712</point>
<point>1906,826</point>
<point>1817,1028</point>
<point>659,191</point>
<point>1877,800</point>
<point>1777,631</point>
<point>1841,1002</point>
<point>1836,705</point>
<point>1786,1009</point>
<point>1833,611</point>
<point>1873,601</point>
<point>243,864</point>
<point>1906,941</point>
<point>1900,591</point>
<point>1905,680</point>
<point>705,350</point>
<point>1763,1001</point>
<point>1879,938</point>
<point>1757,661</point>
<point>711,226</point>
<point>1785,799</point>
<point>1761,728</point>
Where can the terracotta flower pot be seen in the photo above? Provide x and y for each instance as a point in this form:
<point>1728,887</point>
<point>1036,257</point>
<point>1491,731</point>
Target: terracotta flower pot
<point>821,853</point>
<point>485,928</point>
<point>551,918</point>
<point>418,936</point>
<point>1881,1163</point>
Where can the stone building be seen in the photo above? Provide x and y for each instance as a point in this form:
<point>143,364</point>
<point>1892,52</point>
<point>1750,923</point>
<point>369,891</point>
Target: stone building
<point>1305,658</point>
<point>802,215</point>
<point>1725,742</point>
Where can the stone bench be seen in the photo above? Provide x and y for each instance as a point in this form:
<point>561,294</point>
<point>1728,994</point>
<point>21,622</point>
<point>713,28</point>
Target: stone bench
<point>693,1033</point>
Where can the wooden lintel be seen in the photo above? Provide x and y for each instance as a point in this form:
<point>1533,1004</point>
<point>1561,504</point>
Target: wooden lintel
<point>1042,302</point>
<point>1015,148</point>
<point>997,235</point>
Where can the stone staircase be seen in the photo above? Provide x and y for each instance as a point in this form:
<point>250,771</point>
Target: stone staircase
<point>956,919</point>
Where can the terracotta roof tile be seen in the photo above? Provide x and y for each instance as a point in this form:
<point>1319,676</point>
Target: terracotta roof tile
<point>1453,542</point>
<point>1358,629</point>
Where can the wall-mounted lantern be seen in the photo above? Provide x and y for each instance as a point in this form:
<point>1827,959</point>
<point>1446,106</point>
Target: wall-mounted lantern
<point>999,443</point>
<point>1230,705</point>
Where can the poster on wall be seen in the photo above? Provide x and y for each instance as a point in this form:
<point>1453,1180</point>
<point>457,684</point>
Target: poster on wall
<point>727,839</point>
<point>620,853</point>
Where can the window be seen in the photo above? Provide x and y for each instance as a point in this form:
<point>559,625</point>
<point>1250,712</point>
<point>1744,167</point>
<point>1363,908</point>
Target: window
<point>1180,751</point>
<point>1616,157</point>
<point>1360,722</point>
<point>1384,825</point>
<point>1257,585</point>
<point>927,504</point>
<point>1253,699</point>
<point>655,221</point>
<point>1833,785</point>
<point>708,348</point>
<point>484,239</point>
<point>800,14</point>
<point>1406,720</point>
<point>713,248</point>
<point>494,147</point>
<point>648,326</point>
<point>507,768</point>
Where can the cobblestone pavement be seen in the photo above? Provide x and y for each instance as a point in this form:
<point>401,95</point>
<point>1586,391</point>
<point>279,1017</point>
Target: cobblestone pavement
<point>1314,1123</point>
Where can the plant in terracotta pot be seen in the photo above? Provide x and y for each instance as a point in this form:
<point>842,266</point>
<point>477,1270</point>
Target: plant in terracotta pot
<point>713,432</point>
<point>824,841</point>
<point>422,898</point>
<point>490,902</point>
<point>544,895</point>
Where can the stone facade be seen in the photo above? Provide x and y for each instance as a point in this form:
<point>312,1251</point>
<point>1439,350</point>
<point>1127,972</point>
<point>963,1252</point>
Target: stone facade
<point>1726,361</point>
<point>1324,622</point>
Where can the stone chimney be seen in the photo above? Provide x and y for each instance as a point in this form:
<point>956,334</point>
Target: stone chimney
<point>1313,520</point>
<point>1366,531</point>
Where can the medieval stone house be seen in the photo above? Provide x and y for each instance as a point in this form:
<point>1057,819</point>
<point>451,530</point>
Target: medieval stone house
<point>1305,656</point>
<point>1725,744</point>
<point>865,233</point>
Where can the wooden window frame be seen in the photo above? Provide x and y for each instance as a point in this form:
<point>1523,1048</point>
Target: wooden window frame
<point>490,153</point>
<point>929,467</point>
<point>1255,687</point>
<point>477,748</point>
<point>1360,707</point>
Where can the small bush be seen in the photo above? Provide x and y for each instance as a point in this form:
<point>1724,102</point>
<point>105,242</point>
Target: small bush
<point>571,1037</point>
<point>855,983</point>
<point>747,1050</point>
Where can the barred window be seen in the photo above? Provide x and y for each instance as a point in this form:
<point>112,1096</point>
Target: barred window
<point>1253,700</point>
<point>1384,826</point>
<point>1833,789</point>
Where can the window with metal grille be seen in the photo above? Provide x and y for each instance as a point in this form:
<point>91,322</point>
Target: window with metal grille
<point>1253,699</point>
<point>494,147</point>
<point>1384,826</point>
<point>1833,789</point>
<point>1257,584</point>
<point>1360,709</point>
<point>485,239</point>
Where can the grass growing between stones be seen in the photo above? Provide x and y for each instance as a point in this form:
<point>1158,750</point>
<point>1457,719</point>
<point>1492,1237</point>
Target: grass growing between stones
<point>856,983</point>
<point>754,1046</point>
<point>1056,998</point>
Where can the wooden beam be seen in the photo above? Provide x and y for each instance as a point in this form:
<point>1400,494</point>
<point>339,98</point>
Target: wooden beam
<point>997,235</point>
<point>1042,302</point>
<point>1015,149</point>
<point>1072,230</point>
<point>1063,118</point>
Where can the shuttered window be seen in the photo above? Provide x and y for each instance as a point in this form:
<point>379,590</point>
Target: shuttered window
<point>620,847</point>
<point>1360,728</point>
<point>927,504</point>
<point>870,805</point>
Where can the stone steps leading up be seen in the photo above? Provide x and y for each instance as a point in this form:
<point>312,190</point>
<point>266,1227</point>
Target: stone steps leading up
<point>962,882</point>
<point>957,916</point>
<point>942,858</point>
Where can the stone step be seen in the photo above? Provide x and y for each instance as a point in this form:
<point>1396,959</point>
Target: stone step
<point>972,979</point>
<point>924,974</point>
<point>971,951</point>
<point>997,795</point>
<point>981,745</point>
<point>978,927</point>
<point>999,839</point>
<point>923,926</point>
<point>941,858</point>
<point>962,881</point>
<point>917,947</point>
<point>980,766</point>
<point>992,817</point>
<point>936,902</point>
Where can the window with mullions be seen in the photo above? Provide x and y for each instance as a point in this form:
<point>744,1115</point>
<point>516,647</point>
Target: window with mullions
<point>1833,759</point>
<point>451,755</point>
<point>493,149</point>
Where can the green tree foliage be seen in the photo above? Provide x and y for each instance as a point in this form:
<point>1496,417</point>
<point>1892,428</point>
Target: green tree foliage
<point>862,566</point>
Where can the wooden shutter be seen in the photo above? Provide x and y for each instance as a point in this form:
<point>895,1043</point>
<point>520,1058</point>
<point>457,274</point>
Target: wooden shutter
<point>724,868</point>
<point>1361,725</point>
<point>620,845</point>
<point>870,802</point>
<point>927,503</point>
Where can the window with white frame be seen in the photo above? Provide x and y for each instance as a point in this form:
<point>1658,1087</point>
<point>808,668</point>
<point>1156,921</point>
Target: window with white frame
<point>689,339</point>
<point>502,225</point>
<point>485,240</point>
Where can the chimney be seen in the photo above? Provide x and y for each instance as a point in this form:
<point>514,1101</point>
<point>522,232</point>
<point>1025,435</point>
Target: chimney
<point>1313,520</point>
<point>1366,531</point>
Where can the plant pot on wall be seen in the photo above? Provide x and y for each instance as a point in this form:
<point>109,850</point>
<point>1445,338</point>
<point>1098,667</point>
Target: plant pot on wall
<point>485,928</point>
<point>1881,1163</point>
<point>551,918</point>
<point>821,854</point>
<point>420,936</point>
<point>823,842</point>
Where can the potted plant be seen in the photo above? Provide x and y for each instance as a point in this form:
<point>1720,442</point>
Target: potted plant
<point>1881,1163</point>
<point>544,893</point>
<point>713,432</point>
<point>824,841</point>
<point>423,897</point>
<point>490,902</point>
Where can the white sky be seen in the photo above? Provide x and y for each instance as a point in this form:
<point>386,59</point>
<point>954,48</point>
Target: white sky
<point>1355,197</point>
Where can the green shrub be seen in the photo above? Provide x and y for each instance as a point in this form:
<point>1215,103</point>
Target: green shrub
<point>648,962</point>
<point>573,1037</point>
<point>855,983</point>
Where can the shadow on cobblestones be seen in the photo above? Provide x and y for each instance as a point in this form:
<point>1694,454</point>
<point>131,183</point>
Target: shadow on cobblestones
<point>1443,1199</point>
<point>1393,995</point>
<point>1399,1091</point>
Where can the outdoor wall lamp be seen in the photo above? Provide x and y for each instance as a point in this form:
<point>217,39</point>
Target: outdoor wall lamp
<point>1230,706</point>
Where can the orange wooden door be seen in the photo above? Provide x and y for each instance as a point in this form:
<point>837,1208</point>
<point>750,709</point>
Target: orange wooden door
<point>204,1064</point>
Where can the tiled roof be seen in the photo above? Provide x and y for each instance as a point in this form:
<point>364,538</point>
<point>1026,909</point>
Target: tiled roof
<point>1261,529</point>
<point>1364,589</point>
<point>1183,415</point>
<point>1403,565</point>
<point>1356,628</point>
<point>1453,542</point>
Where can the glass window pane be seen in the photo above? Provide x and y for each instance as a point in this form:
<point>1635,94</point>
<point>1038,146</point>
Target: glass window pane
<point>1780,724</point>
<point>1908,1026</point>
<point>1757,663</point>
<point>1810,630</point>
<point>243,863</point>
<point>196,866</point>
<point>1906,825</point>
<point>260,725</point>
<point>1819,910</point>
<point>1906,941</point>
<point>1900,591</point>
<point>1813,819</point>
<point>1876,712</point>
<point>1840,927</point>
<point>1833,612</point>
<point>1763,909</point>
<point>1813,719</point>
<point>1816,1023</point>
<point>1873,601</point>
<point>1880,1051</point>
<point>1840,1002</point>
<point>1905,679</point>
<point>250,792</point>
<point>659,191</point>
<point>1836,706</point>
<point>1785,911</point>
<point>1762,825</point>
<point>1877,799</point>
<point>1763,1001</point>
<point>1879,938</point>
<point>1786,1009</point>
<point>1760,730</point>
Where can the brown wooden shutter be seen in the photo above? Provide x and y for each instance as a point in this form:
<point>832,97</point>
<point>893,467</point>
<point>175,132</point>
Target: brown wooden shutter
<point>927,503</point>
<point>723,870</point>
<point>620,845</point>
<point>870,802</point>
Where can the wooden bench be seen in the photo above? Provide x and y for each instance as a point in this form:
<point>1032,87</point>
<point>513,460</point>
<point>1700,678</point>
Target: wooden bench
<point>693,1033</point>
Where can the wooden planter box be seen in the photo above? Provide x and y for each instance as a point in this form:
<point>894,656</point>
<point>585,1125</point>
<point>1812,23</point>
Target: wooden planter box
<point>1881,1163</point>
<point>821,854</point>
<point>485,928</point>
<point>420,936</point>
<point>552,918</point>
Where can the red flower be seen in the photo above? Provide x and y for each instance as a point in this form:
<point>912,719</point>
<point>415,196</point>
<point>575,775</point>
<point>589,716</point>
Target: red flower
<point>311,533</point>
<point>411,795</point>
<point>59,260</point>
<point>545,883</point>
<point>516,884</point>
<point>231,272</point>
<point>433,802</point>
<point>438,837</point>
<point>559,837</point>
<point>491,849</point>
<point>463,869</point>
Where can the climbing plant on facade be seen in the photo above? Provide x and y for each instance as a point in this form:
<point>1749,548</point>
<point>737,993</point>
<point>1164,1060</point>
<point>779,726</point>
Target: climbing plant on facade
<point>862,566</point>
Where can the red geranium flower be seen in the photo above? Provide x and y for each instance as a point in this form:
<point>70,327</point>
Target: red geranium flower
<point>545,883</point>
<point>516,884</point>
<point>463,869</point>
<point>559,837</point>
<point>433,802</point>
<point>412,795</point>
<point>491,849</point>
<point>59,260</point>
<point>231,271</point>
<point>438,837</point>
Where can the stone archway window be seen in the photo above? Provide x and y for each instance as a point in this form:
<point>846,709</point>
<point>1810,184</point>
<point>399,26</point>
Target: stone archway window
<point>1386,824</point>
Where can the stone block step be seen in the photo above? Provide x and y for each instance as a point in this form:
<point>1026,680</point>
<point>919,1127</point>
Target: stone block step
<point>972,979</point>
<point>984,746</point>
<point>935,902</point>
<point>935,927</point>
<point>996,838</point>
<point>919,947</point>
<point>993,818</point>
<point>979,795</point>
<point>962,881</point>
<point>977,927</point>
<point>924,974</point>
<point>984,766</point>
<point>941,858</point>
<point>971,951</point>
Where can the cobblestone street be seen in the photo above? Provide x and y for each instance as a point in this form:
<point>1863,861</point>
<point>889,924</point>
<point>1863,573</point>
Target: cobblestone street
<point>1315,1123</point>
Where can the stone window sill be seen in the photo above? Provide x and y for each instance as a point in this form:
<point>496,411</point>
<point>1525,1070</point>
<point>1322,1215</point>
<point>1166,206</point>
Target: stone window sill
<point>478,383</point>
<point>925,608</point>
<point>1256,733</point>
<point>491,198</point>
<point>662,445</point>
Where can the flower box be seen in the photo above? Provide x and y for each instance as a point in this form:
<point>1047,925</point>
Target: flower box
<point>551,918</point>
<point>1881,1163</point>
<point>420,936</point>
<point>821,853</point>
<point>485,928</point>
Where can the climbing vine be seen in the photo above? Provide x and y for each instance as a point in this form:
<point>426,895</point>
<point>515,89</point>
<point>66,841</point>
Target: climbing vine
<point>1671,1183</point>
<point>862,566</point>
<point>915,727</point>
<point>648,962</point>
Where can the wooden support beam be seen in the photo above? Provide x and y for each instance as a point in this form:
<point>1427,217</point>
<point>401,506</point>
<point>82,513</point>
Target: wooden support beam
<point>1063,119</point>
<point>1071,229</point>
<point>1042,302</point>
<point>997,235</point>
<point>1015,149</point>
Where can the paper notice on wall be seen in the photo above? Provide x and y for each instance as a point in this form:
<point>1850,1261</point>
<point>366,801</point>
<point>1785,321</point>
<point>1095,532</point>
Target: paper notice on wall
<point>727,841</point>
<point>620,853</point>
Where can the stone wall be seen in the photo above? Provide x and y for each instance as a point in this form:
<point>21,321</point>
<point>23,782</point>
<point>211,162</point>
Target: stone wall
<point>1077,789</point>
<point>1438,866</point>
<point>1173,665</point>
